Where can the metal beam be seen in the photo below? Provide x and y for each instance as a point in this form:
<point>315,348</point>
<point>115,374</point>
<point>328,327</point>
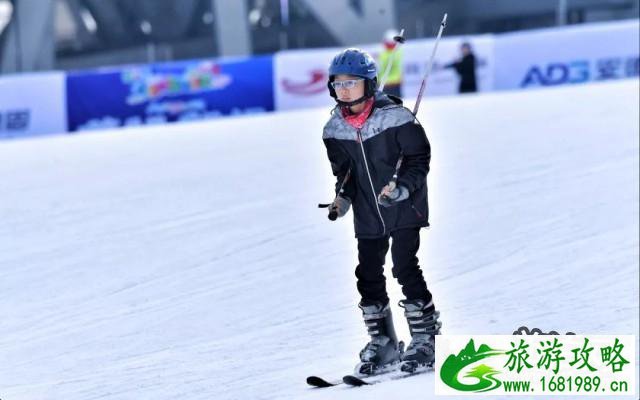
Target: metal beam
<point>232,27</point>
<point>352,26</point>
<point>113,27</point>
<point>83,34</point>
<point>170,19</point>
<point>561,15</point>
<point>30,40</point>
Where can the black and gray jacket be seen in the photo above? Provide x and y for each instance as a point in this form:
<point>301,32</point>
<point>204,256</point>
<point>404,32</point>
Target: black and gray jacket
<point>371,154</point>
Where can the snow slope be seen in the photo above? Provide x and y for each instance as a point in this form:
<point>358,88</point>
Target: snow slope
<point>190,261</point>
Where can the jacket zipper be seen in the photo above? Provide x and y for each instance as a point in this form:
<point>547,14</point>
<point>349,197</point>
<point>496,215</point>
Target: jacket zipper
<point>375,199</point>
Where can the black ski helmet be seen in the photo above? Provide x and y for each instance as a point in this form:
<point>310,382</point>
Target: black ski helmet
<point>354,62</point>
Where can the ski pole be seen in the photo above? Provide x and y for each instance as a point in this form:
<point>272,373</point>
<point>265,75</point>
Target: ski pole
<point>387,69</point>
<point>423,85</point>
<point>333,215</point>
<point>394,179</point>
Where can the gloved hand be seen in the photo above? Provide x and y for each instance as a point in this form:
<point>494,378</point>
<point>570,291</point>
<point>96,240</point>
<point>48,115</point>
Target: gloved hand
<point>339,207</point>
<point>392,194</point>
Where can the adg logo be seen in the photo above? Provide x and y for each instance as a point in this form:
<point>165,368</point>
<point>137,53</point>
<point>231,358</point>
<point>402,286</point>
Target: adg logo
<point>453,366</point>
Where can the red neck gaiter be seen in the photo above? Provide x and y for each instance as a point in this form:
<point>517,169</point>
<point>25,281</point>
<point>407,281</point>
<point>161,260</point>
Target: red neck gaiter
<point>389,45</point>
<point>358,120</point>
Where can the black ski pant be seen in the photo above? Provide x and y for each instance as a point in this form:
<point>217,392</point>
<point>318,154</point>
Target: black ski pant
<point>370,272</point>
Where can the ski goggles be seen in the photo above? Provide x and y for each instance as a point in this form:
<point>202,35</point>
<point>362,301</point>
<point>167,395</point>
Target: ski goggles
<point>348,84</point>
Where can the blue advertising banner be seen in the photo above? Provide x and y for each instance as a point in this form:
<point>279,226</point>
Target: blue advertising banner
<point>169,92</point>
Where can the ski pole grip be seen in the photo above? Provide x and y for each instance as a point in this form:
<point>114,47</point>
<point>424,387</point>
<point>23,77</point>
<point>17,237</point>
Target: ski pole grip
<point>333,215</point>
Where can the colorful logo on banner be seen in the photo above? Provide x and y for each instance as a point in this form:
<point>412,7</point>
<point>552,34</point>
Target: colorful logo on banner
<point>169,92</point>
<point>147,85</point>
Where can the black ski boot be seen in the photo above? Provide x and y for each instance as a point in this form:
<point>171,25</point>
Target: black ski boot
<point>423,325</point>
<point>383,351</point>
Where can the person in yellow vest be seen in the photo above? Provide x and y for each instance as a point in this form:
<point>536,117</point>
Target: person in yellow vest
<point>393,84</point>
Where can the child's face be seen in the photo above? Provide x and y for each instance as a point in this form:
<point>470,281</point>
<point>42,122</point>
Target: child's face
<point>352,91</point>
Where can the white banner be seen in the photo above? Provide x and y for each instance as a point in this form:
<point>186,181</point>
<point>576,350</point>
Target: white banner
<point>444,81</point>
<point>32,104</point>
<point>568,55</point>
<point>301,77</point>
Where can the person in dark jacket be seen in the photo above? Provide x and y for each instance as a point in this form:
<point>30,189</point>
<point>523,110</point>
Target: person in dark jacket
<point>466,69</point>
<point>380,156</point>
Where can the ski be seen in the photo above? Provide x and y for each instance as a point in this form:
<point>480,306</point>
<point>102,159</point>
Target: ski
<point>318,382</point>
<point>353,380</point>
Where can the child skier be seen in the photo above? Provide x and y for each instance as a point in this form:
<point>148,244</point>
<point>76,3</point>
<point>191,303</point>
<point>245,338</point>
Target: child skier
<point>380,156</point>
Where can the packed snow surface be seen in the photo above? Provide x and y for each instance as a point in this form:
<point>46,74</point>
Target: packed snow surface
<point>190,261</point>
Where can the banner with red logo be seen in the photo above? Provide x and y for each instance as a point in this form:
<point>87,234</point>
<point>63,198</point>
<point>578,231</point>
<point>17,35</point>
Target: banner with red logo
<point>301,77</point>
